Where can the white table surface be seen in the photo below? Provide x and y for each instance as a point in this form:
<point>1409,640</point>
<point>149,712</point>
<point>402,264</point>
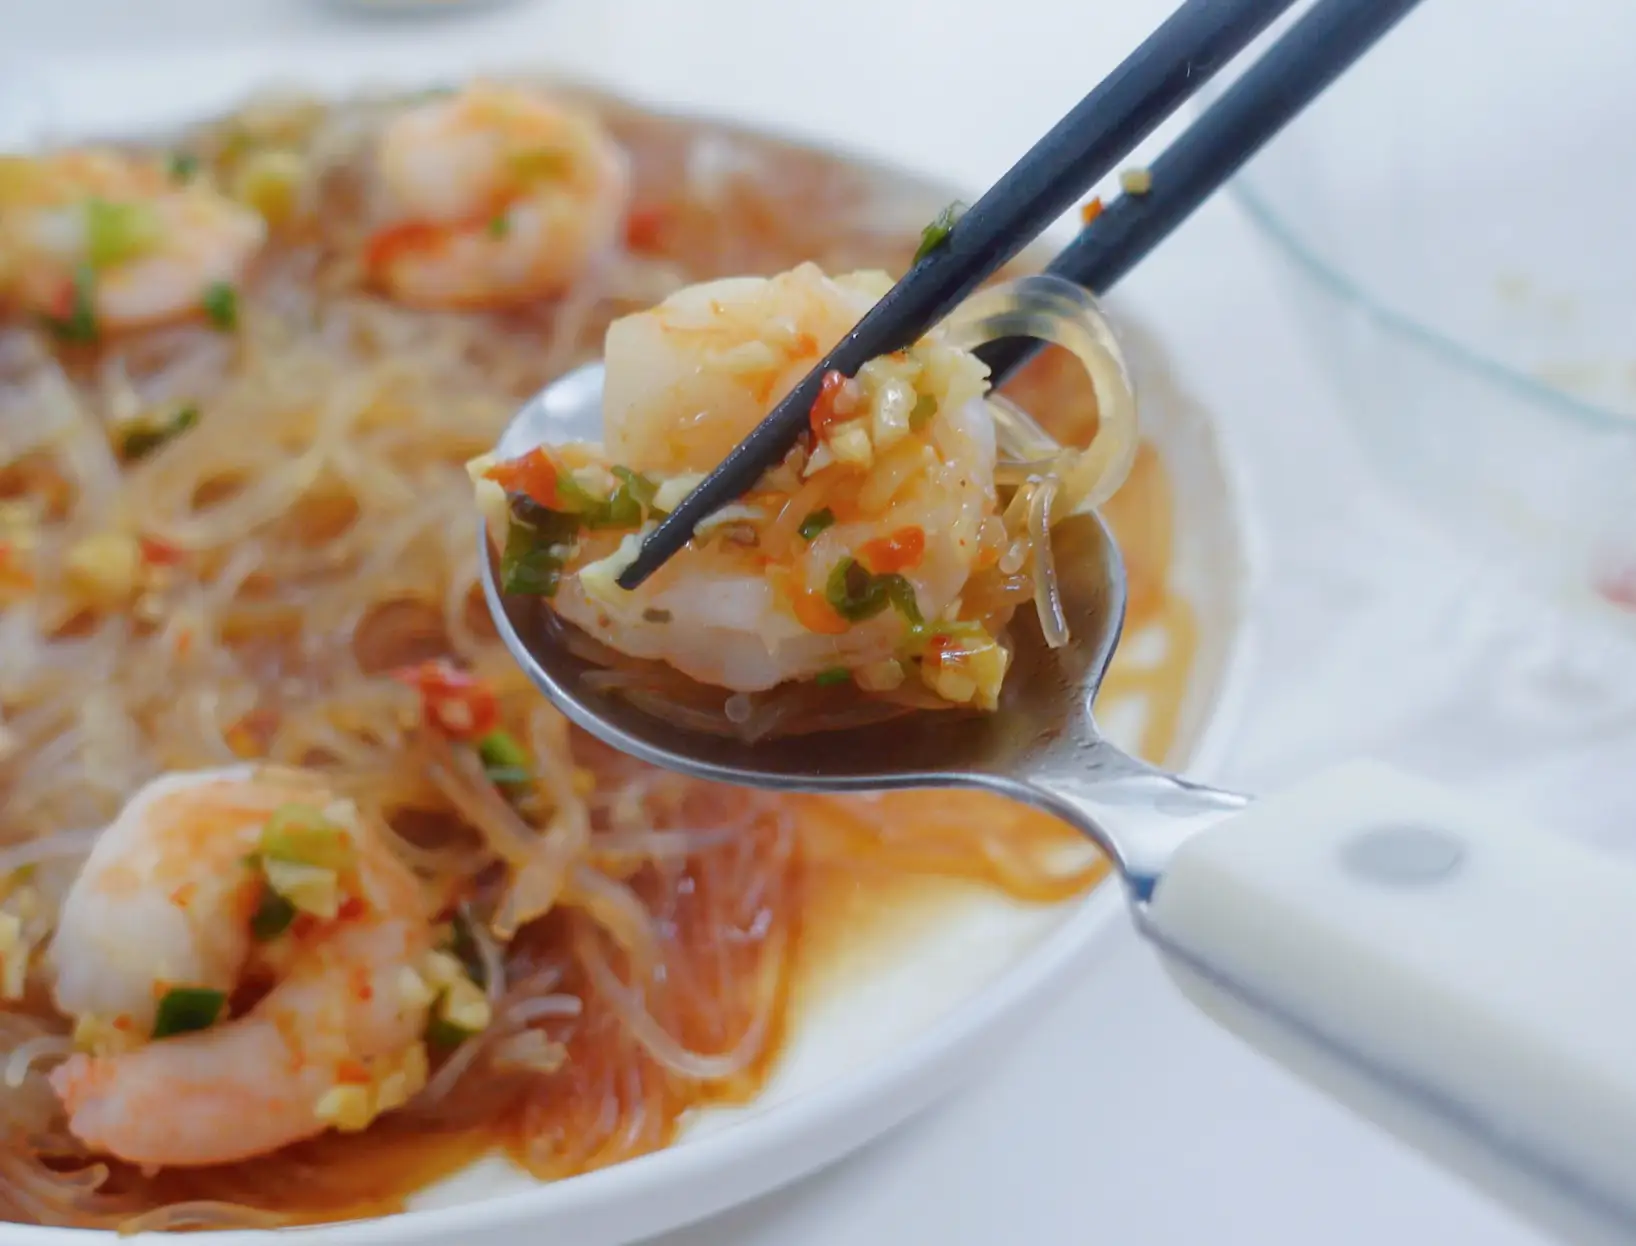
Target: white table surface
<point>1122,1118</point>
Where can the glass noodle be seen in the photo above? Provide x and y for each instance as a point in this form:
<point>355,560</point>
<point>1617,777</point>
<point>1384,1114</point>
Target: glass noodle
<point>646,942</point>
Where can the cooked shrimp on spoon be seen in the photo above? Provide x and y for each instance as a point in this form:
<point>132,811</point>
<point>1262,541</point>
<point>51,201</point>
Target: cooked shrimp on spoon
<point>886,553</point>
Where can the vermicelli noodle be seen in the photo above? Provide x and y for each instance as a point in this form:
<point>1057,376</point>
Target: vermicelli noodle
<point>264,587</point>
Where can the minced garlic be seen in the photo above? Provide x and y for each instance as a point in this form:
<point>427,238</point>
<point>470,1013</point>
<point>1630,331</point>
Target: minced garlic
<point>465,1006</point>
<point>14,956</point>
<point>403,1083</point>
<point>972,676</point>
<point>310,888</point>
<point>732,513</point>
<point>879,676</point>
<point>347,1108</point>
<point>491,498</point>
<point>96,1036</point>
<point>600,579</point>
<point>343,813</point>
<point>988,667</point>
<point>23,900</point>
<point>670,493</point>
<point>354,1106</point>
<point>414,990</point>
<point>441,969</point>
<point>269,182</point>
<point>1136,181</point>
<point>850,443</point>
<point>104,567</point>
<point>953,684</point>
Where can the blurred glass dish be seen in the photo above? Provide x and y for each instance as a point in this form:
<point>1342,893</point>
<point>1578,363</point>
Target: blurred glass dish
<point>1454,221</point>
<point>26,109</point>
<point>411,7</point>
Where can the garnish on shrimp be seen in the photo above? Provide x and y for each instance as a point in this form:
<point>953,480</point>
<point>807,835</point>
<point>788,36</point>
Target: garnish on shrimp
<point>496,195</point>
<point>247,965</point>
<point>883,553</point>
<point>97,241</point>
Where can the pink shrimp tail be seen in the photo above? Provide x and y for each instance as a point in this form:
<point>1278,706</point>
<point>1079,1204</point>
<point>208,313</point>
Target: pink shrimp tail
<point>83,1083</point>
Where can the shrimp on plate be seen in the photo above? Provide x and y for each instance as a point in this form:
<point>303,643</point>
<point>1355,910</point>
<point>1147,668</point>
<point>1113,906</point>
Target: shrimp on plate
<point>247,965</point>
<point>852,562</point>
<point>496,195</point>
<point>98,240</point>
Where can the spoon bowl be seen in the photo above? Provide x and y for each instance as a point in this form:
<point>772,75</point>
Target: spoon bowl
<point>1363,929</point>
<point>1040,746</point>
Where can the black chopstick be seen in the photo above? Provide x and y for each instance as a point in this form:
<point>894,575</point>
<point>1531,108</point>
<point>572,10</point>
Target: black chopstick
<point>1128,105</point>
<point>1316,50</point>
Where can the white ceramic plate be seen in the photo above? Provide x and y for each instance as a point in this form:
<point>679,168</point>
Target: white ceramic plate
<point>915,1019</point>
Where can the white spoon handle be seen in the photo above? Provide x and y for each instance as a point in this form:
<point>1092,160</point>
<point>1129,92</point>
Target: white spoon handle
<point>1462,979</point>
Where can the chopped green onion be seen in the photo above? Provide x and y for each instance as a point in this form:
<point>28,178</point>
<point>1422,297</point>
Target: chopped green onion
<point>832,676</point>
<point>80,325</point>
<point>182,166</point>
<point>853,592</point>
<point>901,594</point>
<point>934,234</point>
<point>462,946</point>
<point>532,560</point>
<point>144,438</point>
<point>499,226</point>
<point>574,498</point>
<point>302,835</point>
<point>505,760</point>
<point>501,748</point>
<point>961,630</point>
<point>507,776</point>
<point>272,916</point>
<point>444,1034</point>
<point>540,540</point>
<point>116,232</point>
<point>857,595</point>
<point>642,489</point>
<point>637,487</point>
<point>924,409</point>
<point>184,1009</point>
<point>815,523</point>
<point>619,509</point>
<point>555,527</point>
<point>623,508</point>
<point>221,304</point>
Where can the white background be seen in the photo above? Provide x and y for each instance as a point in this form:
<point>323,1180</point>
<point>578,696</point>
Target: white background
<point>1122,1118</point>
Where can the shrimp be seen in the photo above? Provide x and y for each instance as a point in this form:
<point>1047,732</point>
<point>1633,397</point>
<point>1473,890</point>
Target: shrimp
<point>849,557</point>
<point>208,889</point>
<point>100,240</point>
<point>498,195</point>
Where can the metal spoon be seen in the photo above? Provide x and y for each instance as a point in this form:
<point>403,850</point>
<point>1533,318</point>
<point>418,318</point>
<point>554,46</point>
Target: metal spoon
<point>1041,747</point>
<point>1465,981</point>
